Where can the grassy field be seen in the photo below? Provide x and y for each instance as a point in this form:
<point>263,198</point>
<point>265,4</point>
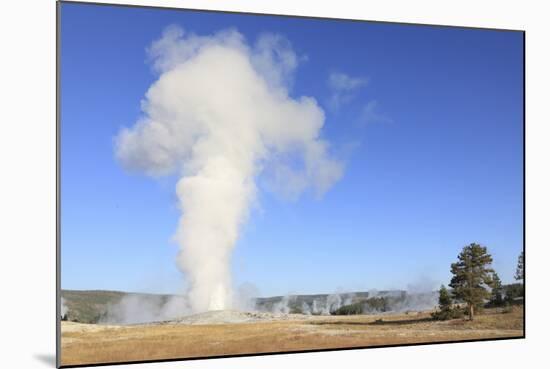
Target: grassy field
<point>89,343</point>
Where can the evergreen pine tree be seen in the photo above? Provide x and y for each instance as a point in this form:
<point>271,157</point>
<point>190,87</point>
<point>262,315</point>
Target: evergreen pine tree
<point>519,269</point>
<point>472,276</point>
<point>497,291</point>
<point>446,310</point>
<point>445,301</point>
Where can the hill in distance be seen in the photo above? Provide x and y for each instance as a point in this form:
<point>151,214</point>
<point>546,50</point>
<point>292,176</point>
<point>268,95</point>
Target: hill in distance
<point>99,306</point>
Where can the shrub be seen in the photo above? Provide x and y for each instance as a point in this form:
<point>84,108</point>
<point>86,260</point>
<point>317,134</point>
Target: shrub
<point>446,310</point>
<point>449,313</point>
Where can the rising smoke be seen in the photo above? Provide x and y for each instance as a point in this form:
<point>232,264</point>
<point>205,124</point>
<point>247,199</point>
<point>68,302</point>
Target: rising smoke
<point>218,115</point>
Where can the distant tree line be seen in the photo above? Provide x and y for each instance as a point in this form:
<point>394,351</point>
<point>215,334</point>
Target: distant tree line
<point>372,304</point>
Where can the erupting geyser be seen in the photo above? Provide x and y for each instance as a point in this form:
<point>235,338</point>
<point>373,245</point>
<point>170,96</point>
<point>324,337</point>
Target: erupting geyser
<point>219,114</point>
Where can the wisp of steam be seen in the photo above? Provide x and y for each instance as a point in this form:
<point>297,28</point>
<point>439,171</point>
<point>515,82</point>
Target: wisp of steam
<point>219,114</point>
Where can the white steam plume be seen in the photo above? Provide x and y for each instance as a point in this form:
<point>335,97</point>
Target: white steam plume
<point>143,308</point>
<point>218,112</point>
<point>64,308</point>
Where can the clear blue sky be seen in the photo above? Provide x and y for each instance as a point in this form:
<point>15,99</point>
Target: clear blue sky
<point>438,167</point>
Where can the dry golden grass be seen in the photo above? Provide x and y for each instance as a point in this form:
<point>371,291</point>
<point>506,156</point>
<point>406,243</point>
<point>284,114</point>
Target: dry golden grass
<point>88,344</point>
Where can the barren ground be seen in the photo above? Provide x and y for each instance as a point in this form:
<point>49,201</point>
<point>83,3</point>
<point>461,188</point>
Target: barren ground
<point>90,343</point>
